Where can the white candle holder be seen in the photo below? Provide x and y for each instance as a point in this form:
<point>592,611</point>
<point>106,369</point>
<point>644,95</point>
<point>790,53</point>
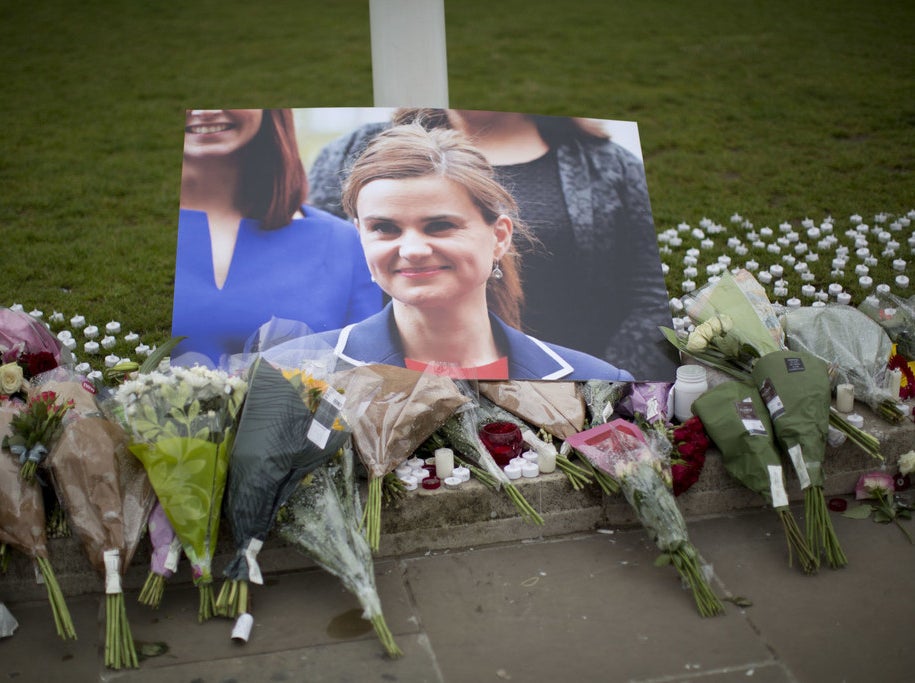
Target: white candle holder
<point>78,322</point>
<point>808,291</point>
<point>843,298</point>
<point>902,281</point>
<point>866,281</point>
<point>899,265</point>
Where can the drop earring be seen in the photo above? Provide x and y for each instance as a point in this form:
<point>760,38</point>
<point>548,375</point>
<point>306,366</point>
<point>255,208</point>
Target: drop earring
<point>496,271</point>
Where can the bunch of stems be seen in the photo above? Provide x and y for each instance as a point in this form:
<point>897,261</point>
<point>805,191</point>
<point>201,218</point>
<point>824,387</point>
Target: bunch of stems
<point>578,476</point>
<point>866,442</point>
<point>607,484</point>
<point>152,591</point>
<point>207,608</point>
<point>371,517</point>
<point>385,636</point>
<point>821,537</point>
<point>120,652</point>
<point>685,559</point>
<point>524,507</point>
<point>232,600</point>
<point>392,488</point>
<point>62,620</point>
<point>808,562</point>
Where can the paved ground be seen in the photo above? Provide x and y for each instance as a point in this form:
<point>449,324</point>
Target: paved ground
<point>581,607</point>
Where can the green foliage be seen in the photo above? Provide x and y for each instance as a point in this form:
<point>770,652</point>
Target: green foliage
<point>775,110</point>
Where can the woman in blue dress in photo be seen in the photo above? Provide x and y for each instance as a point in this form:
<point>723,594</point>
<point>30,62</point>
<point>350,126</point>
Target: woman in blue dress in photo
<point>249,249</point>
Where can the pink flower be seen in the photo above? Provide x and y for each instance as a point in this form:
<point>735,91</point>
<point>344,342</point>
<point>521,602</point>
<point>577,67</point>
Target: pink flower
<point>874,485</point>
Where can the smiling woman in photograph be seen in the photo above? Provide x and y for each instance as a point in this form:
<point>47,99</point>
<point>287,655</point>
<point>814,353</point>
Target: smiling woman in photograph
<point>248,248</point>
<point>438,233</point>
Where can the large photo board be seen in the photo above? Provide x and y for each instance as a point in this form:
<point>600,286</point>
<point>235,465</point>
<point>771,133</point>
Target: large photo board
<point>488,245</point>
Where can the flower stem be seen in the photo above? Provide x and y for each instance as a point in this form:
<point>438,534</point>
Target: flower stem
<point>578,476</point>
<point>385,636</point>
<point>207,609</point>
<point>684,559</point>
<point>120,651</point>
<point>152,591</point>
<point>821,536</point>
<point>371,518</point>
<point>809,563</point>
<point>62,619</point>
<point>27,471</point>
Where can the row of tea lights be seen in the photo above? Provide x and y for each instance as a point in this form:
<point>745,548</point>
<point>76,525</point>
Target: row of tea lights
<point>433,472</point>
<point>91,334</point>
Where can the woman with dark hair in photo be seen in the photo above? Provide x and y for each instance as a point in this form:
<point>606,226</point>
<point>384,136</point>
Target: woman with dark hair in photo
<point>248,248</point>
<point>438,232</point>
<point>593,281</point>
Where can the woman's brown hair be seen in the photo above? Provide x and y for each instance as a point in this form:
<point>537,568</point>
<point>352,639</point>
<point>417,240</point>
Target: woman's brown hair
<point>412,151</point>
<point>273,183</point>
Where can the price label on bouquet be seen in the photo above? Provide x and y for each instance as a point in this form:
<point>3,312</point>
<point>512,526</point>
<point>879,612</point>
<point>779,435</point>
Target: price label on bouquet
<point>750,419</point>
<point>325,416</point>
<point>777,487</point>
<point>797,459</point>
<point>773,402</point>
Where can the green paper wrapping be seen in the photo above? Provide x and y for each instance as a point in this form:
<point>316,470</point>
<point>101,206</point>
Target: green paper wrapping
<point>796,389</point>
<point>736,419</point>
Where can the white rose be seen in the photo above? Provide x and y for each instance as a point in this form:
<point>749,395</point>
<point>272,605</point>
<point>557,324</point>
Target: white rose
<point>11,378</point>
<point>907,462</point>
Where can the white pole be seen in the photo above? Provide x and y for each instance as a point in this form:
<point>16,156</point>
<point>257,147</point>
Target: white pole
<point>409,59</point>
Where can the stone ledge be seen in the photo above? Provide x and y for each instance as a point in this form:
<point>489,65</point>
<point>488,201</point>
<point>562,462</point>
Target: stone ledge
<point>474,516</point>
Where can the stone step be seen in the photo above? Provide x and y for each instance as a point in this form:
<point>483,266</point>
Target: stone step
<point>473,516</point>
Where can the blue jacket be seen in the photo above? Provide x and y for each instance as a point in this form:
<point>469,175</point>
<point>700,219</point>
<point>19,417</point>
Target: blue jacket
<point>376,340</point>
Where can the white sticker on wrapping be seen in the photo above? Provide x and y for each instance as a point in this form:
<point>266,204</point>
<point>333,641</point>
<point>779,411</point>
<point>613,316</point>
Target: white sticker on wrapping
<point>777,487</point>
<point>254,570</point>
<point>325,416</point>
<point>112,571</point>
<point>39,577</point>
<point>797,457</point>
<point>174,552</point>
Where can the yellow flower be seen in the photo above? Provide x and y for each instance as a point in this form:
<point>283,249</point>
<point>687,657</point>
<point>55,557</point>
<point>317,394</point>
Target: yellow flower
<point>12,379</point>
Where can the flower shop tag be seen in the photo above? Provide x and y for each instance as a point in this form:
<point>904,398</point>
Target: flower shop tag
<point>254,570</point>
<point>39,577</point>
<point>750,419</point>
<point>325,416</point>
<point>112,574</point>
<point>797,458</point>
<point>794,364</point>
<point>773,402</point>
<point>777,487</point>
<point>174,552</point>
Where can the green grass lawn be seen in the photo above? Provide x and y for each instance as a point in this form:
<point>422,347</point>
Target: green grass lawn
<point>775,110</point>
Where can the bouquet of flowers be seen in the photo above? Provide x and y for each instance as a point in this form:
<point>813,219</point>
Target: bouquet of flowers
<point>107,497</point>
<point>290,425</point>
<point>737,420</point>
<point>163,560</point>
<point>182,421</point>
<point>736,325</point>
<point>690,442</point>
<point>28,343</point>
<point>795,388</point>
<point>33,430</point>
<point>22,526</point>
<point>322,519</point>
<point>391,411</point>
<point>620,449</point>
<point>855,347</point>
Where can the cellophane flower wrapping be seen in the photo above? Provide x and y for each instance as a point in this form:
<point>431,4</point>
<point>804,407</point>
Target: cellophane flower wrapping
<point>86,467</point>
<point>896,315</point>
<point>22,526</point>
<point>555,407</point>
<point>391,412</point>
<point>291,424</point>
<point>182,422</point>
<point>22,336</point>
<point>323,521</point>
<point>620,449</point>
<point>741,297</point>
<point>795,387</point>
<point>736,419</point>
<point>854,346</point>
<point>163,557</point>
